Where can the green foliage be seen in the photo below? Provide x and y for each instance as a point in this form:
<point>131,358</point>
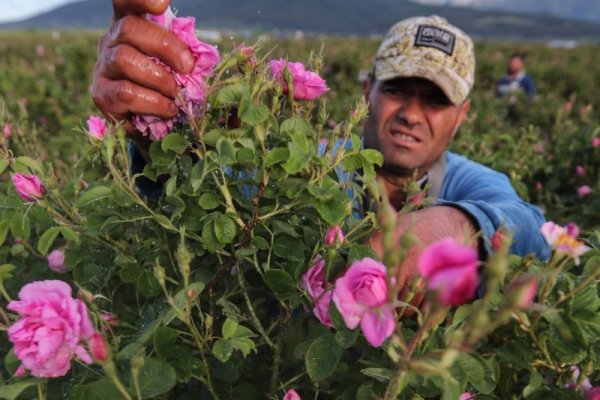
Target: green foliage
<point>205,279</point>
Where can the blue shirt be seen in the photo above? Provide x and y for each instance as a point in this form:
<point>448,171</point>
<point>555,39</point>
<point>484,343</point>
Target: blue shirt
<point>522,81</point>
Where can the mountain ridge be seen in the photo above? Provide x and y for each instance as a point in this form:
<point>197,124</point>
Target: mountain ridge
<point>341,17</point>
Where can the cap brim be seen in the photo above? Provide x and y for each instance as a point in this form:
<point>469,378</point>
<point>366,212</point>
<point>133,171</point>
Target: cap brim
<point>453,86</point>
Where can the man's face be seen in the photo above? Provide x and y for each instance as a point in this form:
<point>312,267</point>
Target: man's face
<point>515,65</point>
<point>411,122</point>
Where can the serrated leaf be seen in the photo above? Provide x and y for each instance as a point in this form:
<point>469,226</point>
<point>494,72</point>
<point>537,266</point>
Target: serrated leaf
<point>3,164</point>
<point>92,195</point>
<point>297,126</point>
<point>20,226</point>
<point>208,201</point>
<point>280,282</point>
<point>276,156</point>
<point>232,94</point>
<point>372,156</point>
<point>222,350</point>
<point>254,115</point>
<point>174,142</point>
<point>4,228</point>
<point>163,340</point>
<point>229,328</point>
<point>69,234</point>
<point>322,357</point>
<point>12,391</point>
<point>47,239</point>
<point>225,229</point>
<point>24,163</point>
<point>101,389</point>
<point>5,271</point>
<point>155,378</point>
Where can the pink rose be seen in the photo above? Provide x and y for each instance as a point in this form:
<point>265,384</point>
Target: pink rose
<point>466,396</point>
<point>6,131</point>
<point>334,234</point>
<point>291,395</point>
<point>98,348</point>
<point>307,85</point>
<point>522,291</point>
<point>29,187</point>
<point>584,190</point>
<point>361,296</point>
<point>538,148</point>
<point>56,261</point>
<point>585,385</point>
<point>192,86</point>
<point>539,186</point>
<point>596,142</point>
<point>40,50</point>
<point>580,171</point>
<point>313,281</point>
<point>450,269</point>
<point>50,330</point>
<point>97,127</point>
<point>593,393</point>
<point>498,239</point>
<point>564,239</point>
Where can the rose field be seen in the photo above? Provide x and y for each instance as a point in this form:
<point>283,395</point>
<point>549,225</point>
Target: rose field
<point>240,271</point>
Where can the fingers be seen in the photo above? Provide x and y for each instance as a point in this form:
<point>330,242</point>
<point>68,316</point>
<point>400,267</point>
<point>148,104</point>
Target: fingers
<point>138,7</point>
<point>152,40</point>
<point>118,99</point>
<point>126,62</point>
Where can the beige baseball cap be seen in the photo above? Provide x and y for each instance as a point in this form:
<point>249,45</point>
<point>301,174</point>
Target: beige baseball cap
<point>430,48</point>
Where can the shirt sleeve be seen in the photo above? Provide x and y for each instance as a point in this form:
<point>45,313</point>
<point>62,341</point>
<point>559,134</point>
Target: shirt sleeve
<point>149,189</point>
<point>489,198</point>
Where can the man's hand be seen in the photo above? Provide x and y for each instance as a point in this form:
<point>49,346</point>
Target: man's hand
<point>126,80</point>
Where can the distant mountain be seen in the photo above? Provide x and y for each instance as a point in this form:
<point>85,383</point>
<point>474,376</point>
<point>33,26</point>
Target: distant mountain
<point>322,16</point>
<point>584,10</point>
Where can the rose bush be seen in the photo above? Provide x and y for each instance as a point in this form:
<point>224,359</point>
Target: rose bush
<point>198,292</point>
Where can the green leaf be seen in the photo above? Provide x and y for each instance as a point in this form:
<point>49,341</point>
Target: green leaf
<point>232,94</point>
<point>92,195</point>
<point>4,228</point>
<point>3,164</point>
<point>554,393</point>
<point>334,211</point>
<point>69,234</point>
<point>174,142</point>
<point>13,390</point>
<point>229,328</point>
<point>24,163</point>
<point>5,271</point>
<point>276,156</point>
<point>322,357</point>
<point>226,152</point>
<point>155,378</point>
<point>288,247</point>
<point>372,156</point>
<point>476,369</point>
<point>208,201</point>
<point>381,374</point>
<point>358,252</point>
<point>47,239</point>
<point>296,126</point>
<point>147,284</point>
<point>163,340</point>
<point>253,115</point>
<point>222,350</point>
<point>225,229</point>
<point>101,389</point>
<point>176,205</point>
<point>198,174</point>
<point>20,226</point>
<point>280,282</point>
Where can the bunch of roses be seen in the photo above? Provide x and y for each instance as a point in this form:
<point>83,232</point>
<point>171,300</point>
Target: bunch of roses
<point>52,329</point>
<point>192,93</point>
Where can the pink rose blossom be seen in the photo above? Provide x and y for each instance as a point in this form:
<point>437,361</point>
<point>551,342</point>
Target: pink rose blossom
<point>580,171</point>
<point>361,296</point>
<point>29,187</point>
<point>6,131</point>
<point>50,330</point>
<point>585,385</point>
<point>498,239</point>
<point>98,348</point>
<point>539,186</point>
<point>334,234</point>
<point>538,148</point>
<point>40,50</point>
<point>584,190</point>
<point>564,239</point>
<point>466,396</point>
<point>522,291</point>
<point>97,127</point>
<point>291,395</point>
<point>593,393</point>
<point>314,283</point>
<point>450,269</point>
<point>596,142</point>
<point>56,261</point>
<point>192,86</point>
<point>308,85</point>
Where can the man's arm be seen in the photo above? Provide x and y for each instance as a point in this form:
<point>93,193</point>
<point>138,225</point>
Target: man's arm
<point>428,226</point>
<point>126,80</point>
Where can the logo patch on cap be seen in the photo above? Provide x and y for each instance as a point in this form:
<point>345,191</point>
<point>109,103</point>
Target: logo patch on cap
<point>437,38</point>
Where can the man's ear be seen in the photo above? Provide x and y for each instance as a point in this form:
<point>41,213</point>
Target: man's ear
<point>367,84</point>
<point>463,113</point>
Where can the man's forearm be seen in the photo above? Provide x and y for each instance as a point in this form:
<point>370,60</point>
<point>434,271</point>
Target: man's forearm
<point>428,226</point>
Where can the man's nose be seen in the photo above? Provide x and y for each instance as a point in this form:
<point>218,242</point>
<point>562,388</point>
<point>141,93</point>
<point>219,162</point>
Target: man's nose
<point>410,112</point>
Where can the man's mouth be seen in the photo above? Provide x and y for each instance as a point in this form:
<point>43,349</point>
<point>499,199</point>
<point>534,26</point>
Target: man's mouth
<point>404,137</point>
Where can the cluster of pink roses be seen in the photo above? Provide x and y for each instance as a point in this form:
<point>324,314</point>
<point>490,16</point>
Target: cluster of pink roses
<point>192,86</point>
<point>53,328</point>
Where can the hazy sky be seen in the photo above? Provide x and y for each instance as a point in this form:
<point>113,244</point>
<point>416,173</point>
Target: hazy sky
<point>14,10</point>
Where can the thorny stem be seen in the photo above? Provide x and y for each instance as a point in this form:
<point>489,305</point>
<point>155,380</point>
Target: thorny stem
<point>253,316</point>
<point>277,355</point>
